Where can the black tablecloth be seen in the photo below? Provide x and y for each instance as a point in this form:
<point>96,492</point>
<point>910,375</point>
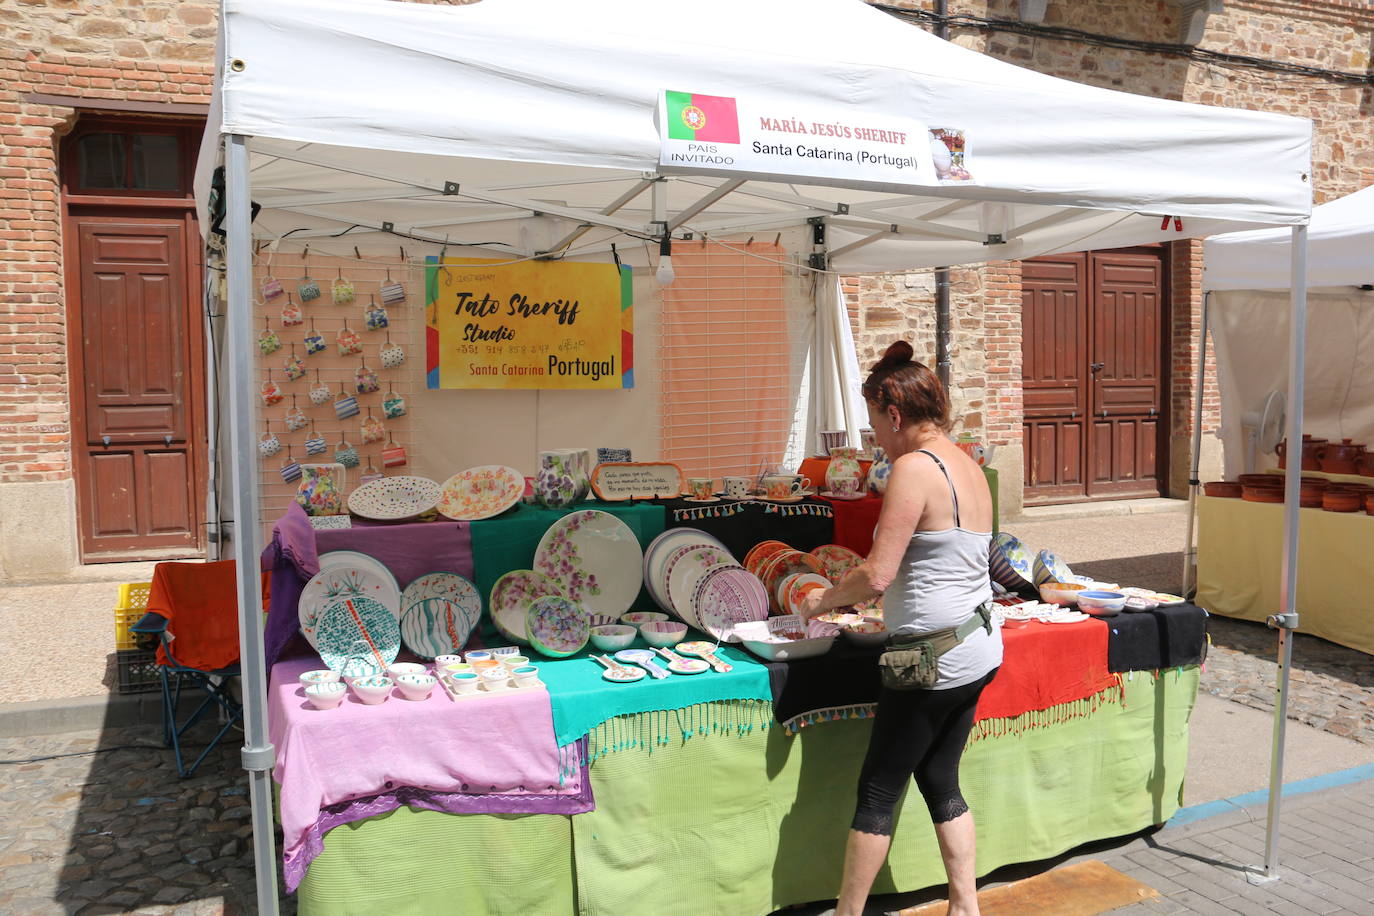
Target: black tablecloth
<point>740,524</point>
<point>1166,637</point>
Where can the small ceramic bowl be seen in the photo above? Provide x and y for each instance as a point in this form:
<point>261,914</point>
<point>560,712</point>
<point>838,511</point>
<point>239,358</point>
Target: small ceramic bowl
<point>458,668</point>
<point>372,690</point>
<point>867,632</point>
<point>495,678</point>
<point>443,661</point>
<point>613,637</point>
<point>322,676</point>
<point>1094,602</point>
<point>637,618</point>
<point>514,661</point>
<point>464,682</point>
<point>416,686</point>
<point>325,694</point>
<point>663,633</point>
<point>476,655</point>
<point>525,675</point>
<point>1061,592</point>
<point>397,669</point>
<point>1015,623</point>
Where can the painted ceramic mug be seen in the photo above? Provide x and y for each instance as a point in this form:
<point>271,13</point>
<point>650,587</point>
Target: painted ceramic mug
<point>345,454</point>
<point>365,380</point>
<point>271,288</point>
<point>295,368</point>
<point>320,395</point>
<point>291,471</point>
<point>349,342</point>
<point>376,318</point>
<point>736,487</point>
<point>392,355</point>
<point>393,405</point>
<point>393,456</point>
<point>271,393</point>
<point>831,438</point>
<point>701,487</point>
<point>269,445</point>
<point>296,419</point>
<point>308,290</point>
<point>314,343</point>
<point>342,292</point>
<point>785,486</point>
<point>315,445</point>
<point>373,430</point>
<point>291,315</point>
<point>268,342</point>
<point>345,407</point>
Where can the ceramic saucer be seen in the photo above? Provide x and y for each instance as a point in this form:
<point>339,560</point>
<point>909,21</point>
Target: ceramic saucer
<point>829,494</point>
<point>689,499</point>
<point>788,499</point>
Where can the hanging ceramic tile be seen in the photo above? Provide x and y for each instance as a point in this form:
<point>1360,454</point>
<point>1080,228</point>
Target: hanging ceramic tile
<point>349,341</point>
<point>291,314</point>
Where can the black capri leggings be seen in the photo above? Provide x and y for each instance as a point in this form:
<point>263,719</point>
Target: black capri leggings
<point>918,733</point>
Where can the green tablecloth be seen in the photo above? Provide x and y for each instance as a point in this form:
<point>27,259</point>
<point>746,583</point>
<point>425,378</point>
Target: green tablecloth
<point>747,821</point>
<point>508,542</point>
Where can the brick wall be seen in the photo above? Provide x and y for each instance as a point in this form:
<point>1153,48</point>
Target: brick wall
<point>151,51</point>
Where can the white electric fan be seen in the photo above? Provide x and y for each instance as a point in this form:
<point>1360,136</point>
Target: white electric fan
<point>1263,430</point>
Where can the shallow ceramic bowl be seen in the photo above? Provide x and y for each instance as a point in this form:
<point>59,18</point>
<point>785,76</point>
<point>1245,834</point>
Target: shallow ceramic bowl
<point>1098,603</point>
<point>869,632</point>
<point>396,670</point>
<point>757,639</point>
<point>613,637</point>
<point>1061,592</point>
<point>602,620</point>
<point>663,633</point>
<point>443,661</point>
<point>325,694</point>
<point>416,686</point>
<point>1015,623</point>
<point>322,676</point>
<point>372,690</point>
<point>638,618</point>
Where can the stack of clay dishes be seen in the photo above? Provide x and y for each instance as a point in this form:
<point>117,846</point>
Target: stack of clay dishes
<point>1262,488</point>
<point>1224,488</point>
<point>1343,499</point>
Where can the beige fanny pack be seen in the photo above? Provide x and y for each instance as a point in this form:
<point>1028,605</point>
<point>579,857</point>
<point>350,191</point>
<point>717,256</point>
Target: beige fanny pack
<point>913,662</point>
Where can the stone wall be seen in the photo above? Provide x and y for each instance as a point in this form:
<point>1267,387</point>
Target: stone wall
<point>1333,34</point>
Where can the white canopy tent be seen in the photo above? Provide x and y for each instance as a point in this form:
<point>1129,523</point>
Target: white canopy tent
<point>1266,292</point>
<point>458,126</point>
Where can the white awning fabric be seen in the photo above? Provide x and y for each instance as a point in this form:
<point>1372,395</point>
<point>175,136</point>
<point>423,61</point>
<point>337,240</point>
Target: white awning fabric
<point>454,123</point>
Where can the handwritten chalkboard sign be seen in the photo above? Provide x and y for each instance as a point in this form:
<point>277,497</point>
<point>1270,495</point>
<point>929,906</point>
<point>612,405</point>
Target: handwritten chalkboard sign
<point>616,481</point>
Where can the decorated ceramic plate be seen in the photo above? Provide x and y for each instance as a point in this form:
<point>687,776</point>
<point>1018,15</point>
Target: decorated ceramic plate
<point>726,596</point>
<point>687,571</point>
<point>558,626</point>
<point>793,589</point>
<point>624,675</point>
<point>838,561</point>
<point>1011,562</point>
<point>481,492</point>
<point>596,559</point>
<point>438,613</point>
<point>784,564</point>
<point>391,498</point>
<point>658,551</point>
<point>761,552</point>
<point>664,569</point>
<point>344,574</point>
<point>358,636</point>
<point>511,597</point>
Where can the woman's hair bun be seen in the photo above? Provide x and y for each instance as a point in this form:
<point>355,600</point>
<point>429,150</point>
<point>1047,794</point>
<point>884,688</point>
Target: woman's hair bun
<point>894,357</point>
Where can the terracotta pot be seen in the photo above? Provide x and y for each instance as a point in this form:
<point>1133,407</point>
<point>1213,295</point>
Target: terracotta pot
<point>1260,480</point>
<point>1223,488</point>
<point>1337,457</point>
<point>1339,500</point>
<point>1262,494</point>
<point>1364,464</point>
<point>1310,444</point>
<point>1369,504</point>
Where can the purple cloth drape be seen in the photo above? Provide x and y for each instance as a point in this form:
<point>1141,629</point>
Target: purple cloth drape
<point>409,550</point>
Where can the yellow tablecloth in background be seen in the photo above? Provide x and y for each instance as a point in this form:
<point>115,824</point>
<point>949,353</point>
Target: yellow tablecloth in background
<point>1240,558</point>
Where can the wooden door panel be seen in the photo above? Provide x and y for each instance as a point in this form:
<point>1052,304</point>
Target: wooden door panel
<point>138,322</point>
<point>112,476</point>
<point>1055,386</point>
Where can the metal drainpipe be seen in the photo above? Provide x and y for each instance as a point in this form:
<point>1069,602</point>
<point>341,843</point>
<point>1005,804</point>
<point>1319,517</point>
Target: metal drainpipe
<point>942,330</point>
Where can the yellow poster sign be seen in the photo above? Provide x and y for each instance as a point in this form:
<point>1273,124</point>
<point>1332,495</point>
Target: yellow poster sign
<point>536,324</point>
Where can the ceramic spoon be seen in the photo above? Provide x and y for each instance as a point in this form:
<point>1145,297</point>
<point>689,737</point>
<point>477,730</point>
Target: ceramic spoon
<point>643,658</point>
<point>617,672</point>
<point>708,652</point>
<point>679,665</point>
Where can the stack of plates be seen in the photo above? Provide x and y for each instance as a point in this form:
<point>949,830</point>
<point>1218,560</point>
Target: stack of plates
<point>350,613</point>
<point>661,550</point>
<point>784,563</point>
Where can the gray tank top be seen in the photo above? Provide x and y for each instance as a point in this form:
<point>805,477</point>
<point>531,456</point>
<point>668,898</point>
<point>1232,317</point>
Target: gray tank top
<point>942,579</point>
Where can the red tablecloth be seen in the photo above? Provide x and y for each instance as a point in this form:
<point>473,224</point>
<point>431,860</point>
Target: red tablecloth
<point>855,520</point>
<point>1047,664</point>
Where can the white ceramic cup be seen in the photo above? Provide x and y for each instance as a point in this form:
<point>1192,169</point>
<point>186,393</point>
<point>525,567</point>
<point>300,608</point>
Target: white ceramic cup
<point>494,679</point>
<point>511,662</point>
<point>465,682</point>
<point>525,675</point>
<point>736,487</point>
<point>785,486</point>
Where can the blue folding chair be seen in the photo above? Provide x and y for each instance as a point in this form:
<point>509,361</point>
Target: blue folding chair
<point>176,676</point>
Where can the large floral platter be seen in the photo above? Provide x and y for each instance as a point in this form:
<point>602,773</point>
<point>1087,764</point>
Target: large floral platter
<point>393,498</point>
<point>596,559</point>
<point>511,597</point>
<point>558,626</point>
<point>481,492</point>
<point>438,613</point>
<point>686,571</point>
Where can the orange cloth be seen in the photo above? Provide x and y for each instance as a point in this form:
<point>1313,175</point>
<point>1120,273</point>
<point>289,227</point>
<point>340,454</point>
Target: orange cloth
<point>200,602</point>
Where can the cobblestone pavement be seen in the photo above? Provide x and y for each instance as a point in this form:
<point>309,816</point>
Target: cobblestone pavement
<point>1330,687</point>
<point>118,831</point>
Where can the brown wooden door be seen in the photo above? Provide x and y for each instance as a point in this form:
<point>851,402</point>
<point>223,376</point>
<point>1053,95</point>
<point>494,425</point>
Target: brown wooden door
<point>1092,358</point>
<point>137,456</point>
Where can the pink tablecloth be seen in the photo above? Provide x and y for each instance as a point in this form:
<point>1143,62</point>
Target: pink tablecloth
<point>489,754</point>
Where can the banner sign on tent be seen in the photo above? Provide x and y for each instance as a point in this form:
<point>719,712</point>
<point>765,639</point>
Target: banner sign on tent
<point>536,324</point>
<point>798,140</point>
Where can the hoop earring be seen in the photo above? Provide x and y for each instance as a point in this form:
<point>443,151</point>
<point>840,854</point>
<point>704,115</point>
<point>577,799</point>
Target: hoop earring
<point>896,429</point>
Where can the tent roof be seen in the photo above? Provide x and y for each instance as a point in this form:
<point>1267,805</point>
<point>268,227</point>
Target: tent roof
<point>366,112</point>
<point>1340,250</point>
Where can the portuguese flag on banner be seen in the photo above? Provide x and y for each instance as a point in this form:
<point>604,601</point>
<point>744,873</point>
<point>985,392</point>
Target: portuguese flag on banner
<point>709,118</point>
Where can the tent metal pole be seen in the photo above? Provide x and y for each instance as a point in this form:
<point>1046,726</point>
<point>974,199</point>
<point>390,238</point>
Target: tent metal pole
<point>257,754</point>
<point>1286,621</point>
<point>1189,548</point>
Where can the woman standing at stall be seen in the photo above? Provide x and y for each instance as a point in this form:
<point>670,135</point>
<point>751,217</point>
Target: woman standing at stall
<point>929,561</point>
